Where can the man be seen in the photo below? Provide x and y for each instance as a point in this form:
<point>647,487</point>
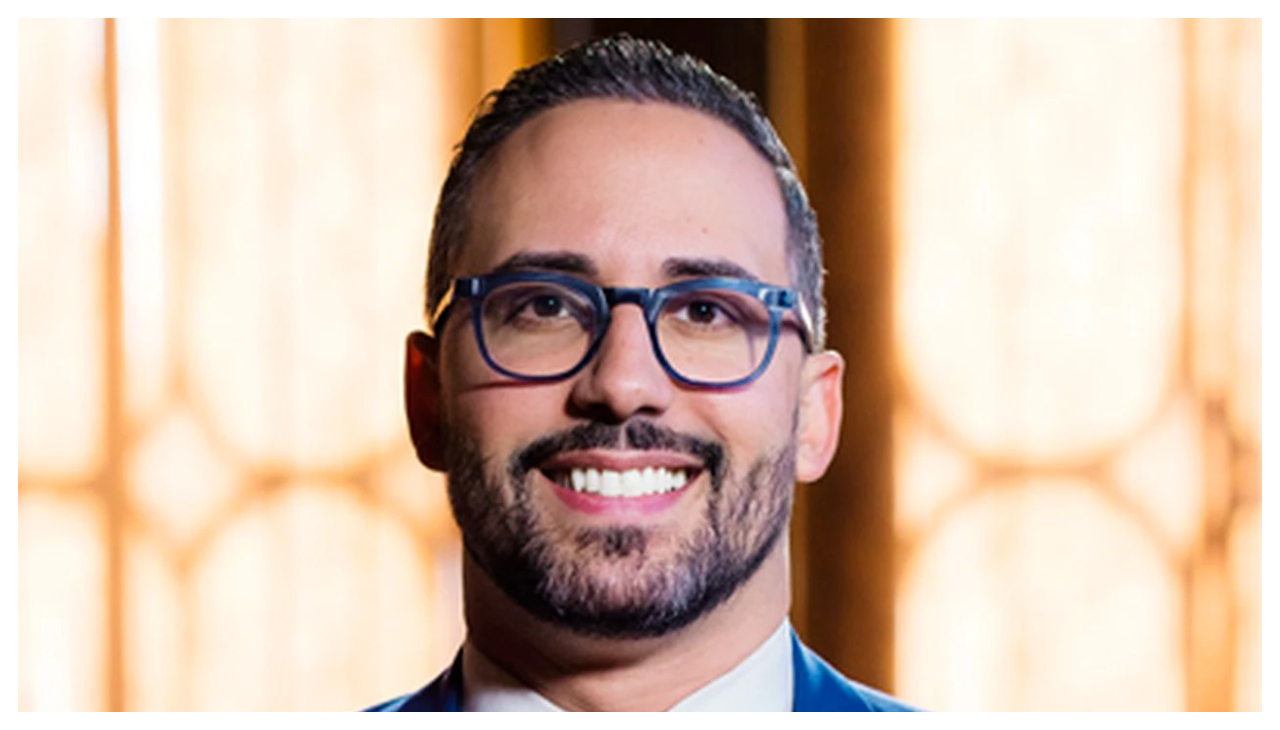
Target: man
<point>624,379</point>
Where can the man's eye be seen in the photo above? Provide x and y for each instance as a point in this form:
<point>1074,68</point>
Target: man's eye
<point>703,312</point>
<point>547,305</point>
<point>706,312</point>
<point>539,308</point>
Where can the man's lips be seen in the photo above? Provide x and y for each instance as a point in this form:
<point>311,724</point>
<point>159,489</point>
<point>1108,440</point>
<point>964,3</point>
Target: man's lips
<point>620,460</point>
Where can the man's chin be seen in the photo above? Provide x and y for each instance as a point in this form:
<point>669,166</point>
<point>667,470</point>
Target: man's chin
<point>618,609</point>
<point>607,582</point>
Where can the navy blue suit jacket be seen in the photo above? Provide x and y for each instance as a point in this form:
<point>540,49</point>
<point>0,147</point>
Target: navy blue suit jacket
<point>818,688</point>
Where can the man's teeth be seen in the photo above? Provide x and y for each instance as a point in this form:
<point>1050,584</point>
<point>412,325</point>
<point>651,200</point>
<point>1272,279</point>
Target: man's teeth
<point>629,483</point>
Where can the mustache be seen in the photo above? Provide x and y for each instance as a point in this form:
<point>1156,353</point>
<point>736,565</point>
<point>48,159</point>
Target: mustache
<point>638,434</point>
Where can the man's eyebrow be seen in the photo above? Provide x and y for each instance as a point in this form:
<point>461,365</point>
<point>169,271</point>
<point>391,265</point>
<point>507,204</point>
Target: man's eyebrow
<point>684,268</point>
<point>562,261</point>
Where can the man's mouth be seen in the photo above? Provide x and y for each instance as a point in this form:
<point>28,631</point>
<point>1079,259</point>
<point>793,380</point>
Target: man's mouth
<point>638,482</point>
<point>636,469</point>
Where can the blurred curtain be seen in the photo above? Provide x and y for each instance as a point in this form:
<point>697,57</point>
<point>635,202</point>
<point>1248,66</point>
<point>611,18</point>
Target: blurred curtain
<point>222,231</point>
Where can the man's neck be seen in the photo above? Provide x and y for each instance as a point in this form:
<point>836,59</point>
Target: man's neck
<point>578,672</point>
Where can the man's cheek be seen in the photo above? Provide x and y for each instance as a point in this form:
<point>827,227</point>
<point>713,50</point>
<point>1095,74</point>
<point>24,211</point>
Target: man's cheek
<point>751,430</point>
<point>502,423</point>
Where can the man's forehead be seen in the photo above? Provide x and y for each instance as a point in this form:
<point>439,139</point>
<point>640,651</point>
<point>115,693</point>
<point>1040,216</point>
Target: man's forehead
<point>618,180</point>
<point>589,125</point>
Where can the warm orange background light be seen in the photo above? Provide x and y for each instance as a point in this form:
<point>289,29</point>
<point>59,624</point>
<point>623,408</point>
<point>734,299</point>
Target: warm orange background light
<point>1076,316</point>
<point>219,507</point>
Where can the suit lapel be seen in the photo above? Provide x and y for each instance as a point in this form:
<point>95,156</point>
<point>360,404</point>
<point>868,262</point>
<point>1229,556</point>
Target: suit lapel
<point>819,687</point>
<point>442,695</point>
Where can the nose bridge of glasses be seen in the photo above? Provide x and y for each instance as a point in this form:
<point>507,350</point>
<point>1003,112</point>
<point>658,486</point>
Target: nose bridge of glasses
<point>614,296</point>
<point>617,352</point>
<point>628,295</point>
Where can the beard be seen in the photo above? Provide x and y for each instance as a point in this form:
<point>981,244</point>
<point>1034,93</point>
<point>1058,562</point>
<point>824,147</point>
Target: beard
<point>607,581</point>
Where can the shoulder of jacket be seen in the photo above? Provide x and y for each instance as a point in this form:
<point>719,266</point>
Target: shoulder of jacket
<point>443,694</point>
<point>821,687</point>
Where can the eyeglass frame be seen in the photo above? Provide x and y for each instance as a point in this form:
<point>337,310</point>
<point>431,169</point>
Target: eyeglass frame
<point>777,300</point>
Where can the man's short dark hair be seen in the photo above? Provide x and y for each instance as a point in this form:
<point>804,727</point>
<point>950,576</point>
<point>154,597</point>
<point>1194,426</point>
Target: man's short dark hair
<point>628,69</point>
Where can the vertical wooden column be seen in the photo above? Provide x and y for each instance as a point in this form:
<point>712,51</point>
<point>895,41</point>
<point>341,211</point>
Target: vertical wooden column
<point>112,479</point>
<point>1220,217</point>
<point>786,106</point>
<point>507,44</point>
<point>847,517</point>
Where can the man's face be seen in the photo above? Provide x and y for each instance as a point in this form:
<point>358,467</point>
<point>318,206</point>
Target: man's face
<point>631,195</point>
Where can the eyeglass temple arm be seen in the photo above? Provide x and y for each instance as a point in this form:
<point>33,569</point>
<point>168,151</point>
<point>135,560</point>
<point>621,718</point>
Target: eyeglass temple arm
<point>462,287</point>
<point>791,298</point>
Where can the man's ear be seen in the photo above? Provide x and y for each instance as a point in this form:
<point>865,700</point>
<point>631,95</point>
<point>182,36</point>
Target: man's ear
<point>821,408</point>
<point>422,398</point>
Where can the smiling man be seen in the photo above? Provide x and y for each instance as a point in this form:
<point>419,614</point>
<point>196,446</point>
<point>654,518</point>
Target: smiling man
<point>624,378</point>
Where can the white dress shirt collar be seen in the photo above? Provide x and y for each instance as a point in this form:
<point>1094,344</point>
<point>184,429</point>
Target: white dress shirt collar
<point>761,682</point>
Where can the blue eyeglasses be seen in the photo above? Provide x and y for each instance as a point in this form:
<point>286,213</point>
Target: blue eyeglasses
<point>707,333</point>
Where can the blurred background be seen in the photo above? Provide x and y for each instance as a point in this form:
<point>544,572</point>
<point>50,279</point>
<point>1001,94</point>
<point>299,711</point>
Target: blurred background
<point>1043,245</point>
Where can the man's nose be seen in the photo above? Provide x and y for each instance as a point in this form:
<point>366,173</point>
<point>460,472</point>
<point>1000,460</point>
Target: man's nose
<point>625,378</point>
